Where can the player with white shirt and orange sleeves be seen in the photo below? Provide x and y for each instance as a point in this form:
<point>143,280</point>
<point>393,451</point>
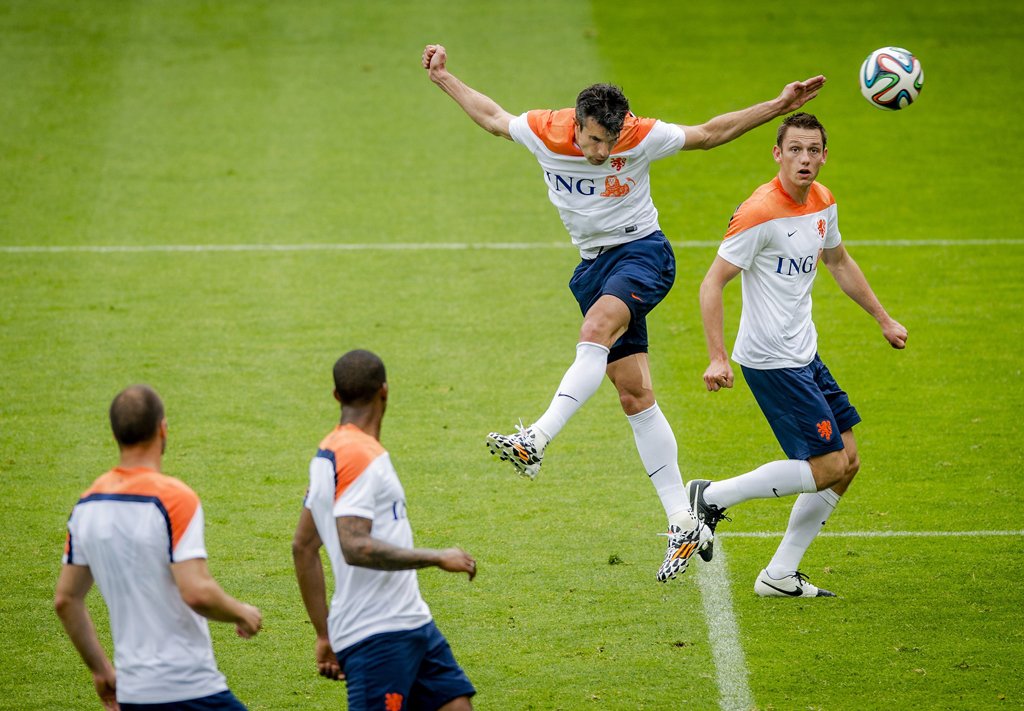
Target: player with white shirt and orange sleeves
<point>595,159</point>
<point>776,240</point>
<point>139,534</point>
<point>378,634</point>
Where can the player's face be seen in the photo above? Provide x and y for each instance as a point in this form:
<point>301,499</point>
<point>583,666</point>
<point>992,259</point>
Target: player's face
<point>800,157</point>
<point>595,141</point>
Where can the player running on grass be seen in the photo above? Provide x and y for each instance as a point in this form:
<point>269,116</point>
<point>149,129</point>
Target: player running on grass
<point>776,239</point>
<point>595,160</point>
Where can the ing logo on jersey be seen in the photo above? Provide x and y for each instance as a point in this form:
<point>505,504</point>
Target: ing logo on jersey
<point>618,162</point>
<point>613,188</point>
<point>393,702</point>
<point>825,430</point>
<point>821,228</point>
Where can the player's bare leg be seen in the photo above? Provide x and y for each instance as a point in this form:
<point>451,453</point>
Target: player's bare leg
<point>604,323</point>
<point>810,512</point>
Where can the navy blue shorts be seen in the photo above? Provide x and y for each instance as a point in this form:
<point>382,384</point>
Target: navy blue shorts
<point>410,670</point>
<point>806,408</point>
<point>639,273</point>
<point>224,701</point>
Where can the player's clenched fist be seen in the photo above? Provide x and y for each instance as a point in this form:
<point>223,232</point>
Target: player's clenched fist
<point>434,57</point>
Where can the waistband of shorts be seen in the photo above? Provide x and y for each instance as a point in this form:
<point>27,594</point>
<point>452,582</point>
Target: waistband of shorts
<point>593,253</point>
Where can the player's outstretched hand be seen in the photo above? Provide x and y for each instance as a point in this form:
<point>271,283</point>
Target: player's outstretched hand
<point>326,661</point>
<point>456,560</point>
<point>251,622</point>
<point>895,333</point>
<point>798,93</point>
<point>434,59</point>
<point>718,375</point>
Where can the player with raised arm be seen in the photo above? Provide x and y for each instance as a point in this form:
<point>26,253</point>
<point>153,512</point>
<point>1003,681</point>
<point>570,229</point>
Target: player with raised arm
<point>776,240</point>
<point>595,160</point>
<point>378,634</point>
<point>139,535</point>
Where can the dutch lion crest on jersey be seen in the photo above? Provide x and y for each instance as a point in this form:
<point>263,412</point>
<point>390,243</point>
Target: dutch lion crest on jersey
<point>821,228</point>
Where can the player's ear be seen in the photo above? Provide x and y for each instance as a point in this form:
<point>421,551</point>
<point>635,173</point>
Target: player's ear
<point>384,392</point>
<point>824,154</point>
<point>777,153</point>
<point>336,395</point>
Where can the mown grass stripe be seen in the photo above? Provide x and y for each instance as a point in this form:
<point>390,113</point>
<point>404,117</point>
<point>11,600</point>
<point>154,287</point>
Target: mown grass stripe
<point>431,246</point>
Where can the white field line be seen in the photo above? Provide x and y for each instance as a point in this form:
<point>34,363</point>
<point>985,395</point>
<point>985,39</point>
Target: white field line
<point>432,246</point>
<point>870,534</point>
<point>724,635</point>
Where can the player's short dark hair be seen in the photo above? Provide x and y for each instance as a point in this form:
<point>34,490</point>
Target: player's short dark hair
<point>604,103</point>
<point>358,377</point>
<point>136,414</point>
<point>804,120</point>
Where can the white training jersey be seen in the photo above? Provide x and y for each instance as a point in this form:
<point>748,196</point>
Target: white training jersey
<point>352,475</point>
<point>600,205</point>
<point>777,243</point>
<point>128,528</point>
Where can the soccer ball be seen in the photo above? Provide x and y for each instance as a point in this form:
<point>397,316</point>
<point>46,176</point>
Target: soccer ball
<point>891,78</point>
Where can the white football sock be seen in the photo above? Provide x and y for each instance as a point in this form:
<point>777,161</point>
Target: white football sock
<point>810,512</point>
<point>660,455</point>
<point>784,477</point>
<point>579,382</point>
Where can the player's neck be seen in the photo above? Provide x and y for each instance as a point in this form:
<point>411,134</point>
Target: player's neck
<point>796,194</point>
<point>367,419</point>
<point>148,456</point>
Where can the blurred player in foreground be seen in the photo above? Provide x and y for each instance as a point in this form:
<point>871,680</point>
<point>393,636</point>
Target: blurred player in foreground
<point>139,534</point>
<point>596,159</point>
<point>776,239</point>
<point>379,635</point>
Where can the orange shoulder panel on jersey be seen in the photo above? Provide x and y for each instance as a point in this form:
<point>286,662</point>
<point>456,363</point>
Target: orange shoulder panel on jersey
<point>354,451</point>
<point>634,130</point>
<point>556,129</point>
<point>771,202</point>
<point>175,496</point>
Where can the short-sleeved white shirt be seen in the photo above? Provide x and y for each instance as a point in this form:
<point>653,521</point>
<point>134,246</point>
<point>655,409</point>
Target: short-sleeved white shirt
<point>600,205</point>
<point>352,475</point>
<point>128,528</point>
<point>777,242</point>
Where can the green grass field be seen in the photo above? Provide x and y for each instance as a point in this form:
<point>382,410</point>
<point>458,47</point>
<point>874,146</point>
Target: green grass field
<point>291,124</point>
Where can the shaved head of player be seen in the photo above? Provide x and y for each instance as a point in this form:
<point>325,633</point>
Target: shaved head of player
<point>139,535</point>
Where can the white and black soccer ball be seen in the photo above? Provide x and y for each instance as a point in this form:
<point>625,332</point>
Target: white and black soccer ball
<point>891,78</point>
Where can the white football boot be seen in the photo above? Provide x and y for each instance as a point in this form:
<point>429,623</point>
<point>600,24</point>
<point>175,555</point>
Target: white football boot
<point>795,585</point>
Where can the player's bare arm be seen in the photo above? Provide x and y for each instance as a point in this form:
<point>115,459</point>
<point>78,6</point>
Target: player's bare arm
<point>309,571</point>
<point>719,372</point>
<point>481,108</point>
<point>206,597</point>
<point>73,585</point>
<point>362,549</point>
<point>854,284</point>
<point>727,127</point>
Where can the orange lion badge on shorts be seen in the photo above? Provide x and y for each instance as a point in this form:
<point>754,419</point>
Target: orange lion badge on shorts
<point>825,430</point>
<point>393,702</point>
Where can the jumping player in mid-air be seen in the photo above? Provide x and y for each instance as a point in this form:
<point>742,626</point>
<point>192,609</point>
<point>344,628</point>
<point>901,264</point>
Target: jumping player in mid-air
<point>596,159</point>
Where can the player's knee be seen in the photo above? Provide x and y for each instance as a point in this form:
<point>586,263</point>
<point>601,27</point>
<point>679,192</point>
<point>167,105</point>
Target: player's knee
<point>852,467</point>
<point>830,469</point>
<point>634,401</point>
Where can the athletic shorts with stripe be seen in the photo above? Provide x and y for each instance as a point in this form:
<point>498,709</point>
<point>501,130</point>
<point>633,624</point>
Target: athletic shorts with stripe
<point>639,273</point>
<point>412,670</point>
<point>805,407</point>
